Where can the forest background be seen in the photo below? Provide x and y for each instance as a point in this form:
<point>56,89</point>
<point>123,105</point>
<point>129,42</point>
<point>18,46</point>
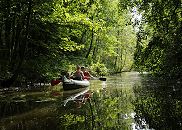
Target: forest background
<point>41,38</point>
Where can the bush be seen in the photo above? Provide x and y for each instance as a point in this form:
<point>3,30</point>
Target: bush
<point>99,69</point>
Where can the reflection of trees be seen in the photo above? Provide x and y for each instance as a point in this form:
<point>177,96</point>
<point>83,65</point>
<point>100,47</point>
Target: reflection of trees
<point>105,110</point>
<point>159,103</point>
<point>109,108</point>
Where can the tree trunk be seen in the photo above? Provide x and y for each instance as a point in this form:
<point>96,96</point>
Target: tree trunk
<point>91,44</point>
<point>22,52</point>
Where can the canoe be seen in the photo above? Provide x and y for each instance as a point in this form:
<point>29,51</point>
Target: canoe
<point>69,84</point>
<point>58,81</point>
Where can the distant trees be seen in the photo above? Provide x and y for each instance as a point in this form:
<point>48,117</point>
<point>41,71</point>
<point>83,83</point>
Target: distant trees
<point>114,37</point>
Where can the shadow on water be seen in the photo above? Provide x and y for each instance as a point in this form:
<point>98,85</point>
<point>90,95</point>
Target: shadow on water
<point>158,102</point>
<point>129,101</point>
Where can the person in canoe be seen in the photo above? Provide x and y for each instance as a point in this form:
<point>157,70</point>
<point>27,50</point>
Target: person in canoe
<point>78,75</point>
<point>86,73</point>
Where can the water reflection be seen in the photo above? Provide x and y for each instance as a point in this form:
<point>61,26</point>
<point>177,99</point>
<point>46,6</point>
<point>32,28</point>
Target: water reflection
<point>78,98</point>
<point>110,105</point>
<point>159,103</point>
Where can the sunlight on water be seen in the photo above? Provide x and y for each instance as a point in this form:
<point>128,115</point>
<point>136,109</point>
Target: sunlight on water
<point>104,85</point>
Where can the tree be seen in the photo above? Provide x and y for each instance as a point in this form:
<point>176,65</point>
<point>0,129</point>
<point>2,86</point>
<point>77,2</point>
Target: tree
<point>44,37</point>
<point>163,52</point>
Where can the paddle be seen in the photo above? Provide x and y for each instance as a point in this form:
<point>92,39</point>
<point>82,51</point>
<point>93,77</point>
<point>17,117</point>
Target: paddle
<point>101,78</point>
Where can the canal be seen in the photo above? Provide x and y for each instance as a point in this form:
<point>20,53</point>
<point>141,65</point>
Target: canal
<point>127,101</point>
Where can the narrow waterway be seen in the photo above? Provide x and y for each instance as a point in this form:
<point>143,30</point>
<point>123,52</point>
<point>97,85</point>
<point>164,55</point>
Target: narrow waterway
<point>127,101</point>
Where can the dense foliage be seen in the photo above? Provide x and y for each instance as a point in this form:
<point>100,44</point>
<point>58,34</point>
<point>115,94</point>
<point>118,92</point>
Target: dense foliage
<point>159,38</point>
<point>39,38</point>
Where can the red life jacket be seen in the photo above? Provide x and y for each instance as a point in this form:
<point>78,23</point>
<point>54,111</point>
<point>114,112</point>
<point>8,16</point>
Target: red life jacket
<point>86,75</point>
<point>55,82</point>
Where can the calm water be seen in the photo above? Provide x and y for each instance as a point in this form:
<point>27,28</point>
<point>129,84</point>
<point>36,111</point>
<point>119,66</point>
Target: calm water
<point>128,101</point>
